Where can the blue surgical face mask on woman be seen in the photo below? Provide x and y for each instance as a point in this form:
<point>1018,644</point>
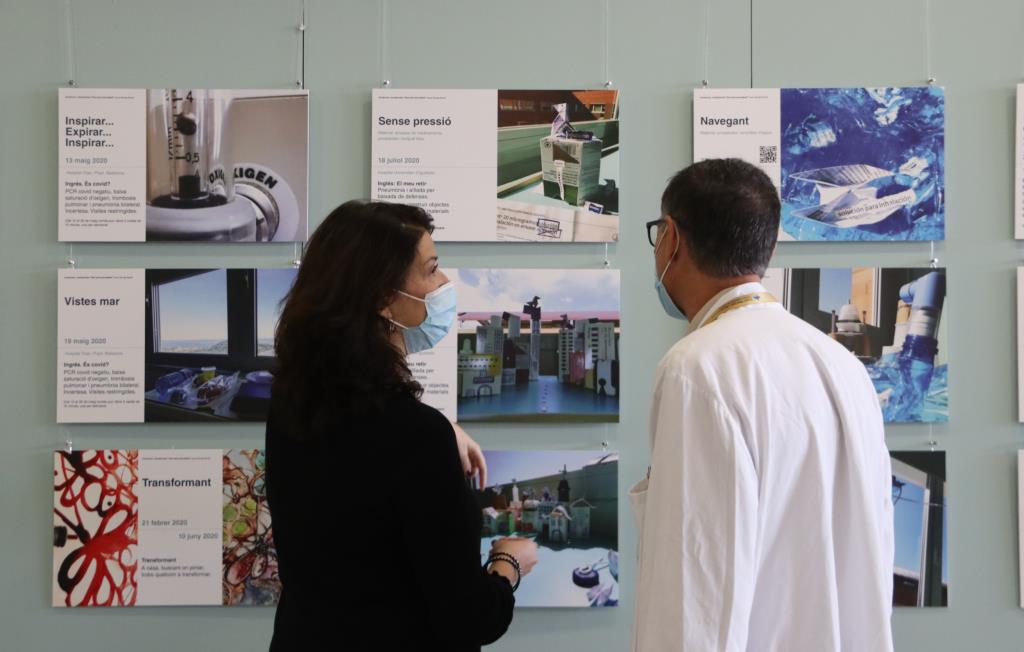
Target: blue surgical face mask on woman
<point>440,317</point>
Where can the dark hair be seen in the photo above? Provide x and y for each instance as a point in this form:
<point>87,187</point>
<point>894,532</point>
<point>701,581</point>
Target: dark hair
<point>334,353</point>
<point>729,211</point>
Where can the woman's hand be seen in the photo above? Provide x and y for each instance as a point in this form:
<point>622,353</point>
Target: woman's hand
<point>523,549</point>
<point>473,462</point>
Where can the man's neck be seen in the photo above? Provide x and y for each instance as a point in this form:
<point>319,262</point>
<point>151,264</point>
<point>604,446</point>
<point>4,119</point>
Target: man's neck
<point>707,288</point>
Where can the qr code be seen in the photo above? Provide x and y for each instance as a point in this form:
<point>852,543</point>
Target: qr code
<point>769,154</point>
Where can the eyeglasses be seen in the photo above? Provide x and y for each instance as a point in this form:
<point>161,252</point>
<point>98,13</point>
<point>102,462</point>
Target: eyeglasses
<point>652,231</point>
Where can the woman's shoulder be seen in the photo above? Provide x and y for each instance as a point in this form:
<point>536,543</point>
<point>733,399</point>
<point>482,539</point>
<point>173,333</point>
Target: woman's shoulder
<point>418,417</point>
<point>398,423</point>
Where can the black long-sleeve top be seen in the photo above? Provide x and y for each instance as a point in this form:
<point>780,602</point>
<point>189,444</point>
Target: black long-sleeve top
<point>378,537</point>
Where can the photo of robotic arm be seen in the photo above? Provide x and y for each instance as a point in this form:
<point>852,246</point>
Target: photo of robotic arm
<point>926,296</point>
<point>910,387</point>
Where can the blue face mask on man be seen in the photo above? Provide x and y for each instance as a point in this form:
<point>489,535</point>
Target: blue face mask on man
<point>667,304</point>
<point>440,317</point>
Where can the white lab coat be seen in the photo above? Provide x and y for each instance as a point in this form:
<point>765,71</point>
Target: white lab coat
<point>766,520</point>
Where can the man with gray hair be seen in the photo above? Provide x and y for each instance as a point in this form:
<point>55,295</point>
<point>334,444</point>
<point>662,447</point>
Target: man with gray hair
<point>766,517</point>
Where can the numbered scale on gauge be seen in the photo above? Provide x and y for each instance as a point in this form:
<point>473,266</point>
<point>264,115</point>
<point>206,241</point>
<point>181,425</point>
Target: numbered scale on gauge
<point>198,191</point>
<point>188,166</point>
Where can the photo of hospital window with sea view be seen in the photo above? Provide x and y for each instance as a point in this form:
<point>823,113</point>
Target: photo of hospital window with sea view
<point>210,342</point>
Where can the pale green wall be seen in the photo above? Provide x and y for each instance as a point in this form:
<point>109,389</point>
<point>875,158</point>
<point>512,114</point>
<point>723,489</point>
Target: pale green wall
<point>655,58</point>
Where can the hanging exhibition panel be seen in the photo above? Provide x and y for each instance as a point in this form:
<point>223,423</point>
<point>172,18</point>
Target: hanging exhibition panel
<point>1020,344</point>
<point>184,165</point>
<point>1018,177</point>
<point>508,165</point>
<point>851,164</point>
<point>194,345</point>
<point>167,344</point>
<point>162,527</point>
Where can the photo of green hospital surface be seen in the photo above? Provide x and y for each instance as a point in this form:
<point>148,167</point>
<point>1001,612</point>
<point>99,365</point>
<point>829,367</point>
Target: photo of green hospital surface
<point>559,151</point>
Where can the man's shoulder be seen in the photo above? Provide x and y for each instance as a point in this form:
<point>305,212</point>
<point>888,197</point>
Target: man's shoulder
<point>763,333</point>
<point>694,359</point>
<point>731,334</point>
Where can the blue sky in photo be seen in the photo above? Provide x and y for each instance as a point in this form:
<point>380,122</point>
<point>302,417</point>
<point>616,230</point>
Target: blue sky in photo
<point>194,308</point>
<point>271,287</point>
<point>502,466</point>
<point>835,288</point>
<point>907,528</point>
<point>907,516</point>
<point>560,290</point>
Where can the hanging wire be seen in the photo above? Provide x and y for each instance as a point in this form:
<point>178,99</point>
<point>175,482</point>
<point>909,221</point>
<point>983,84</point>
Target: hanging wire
<point>928,42</point>
<point>706,79</point>
<point>607,262</point>
<point>71,262</point>
<point>300,59</point>
<point>751,7</point>
<point>297,260</point>
<point>933,260</point>
<point>607,45</point>
<point>69,42</point>
<point>383,40</point>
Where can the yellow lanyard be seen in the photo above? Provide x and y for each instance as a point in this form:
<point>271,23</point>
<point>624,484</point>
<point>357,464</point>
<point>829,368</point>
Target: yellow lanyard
<point>739,302</point>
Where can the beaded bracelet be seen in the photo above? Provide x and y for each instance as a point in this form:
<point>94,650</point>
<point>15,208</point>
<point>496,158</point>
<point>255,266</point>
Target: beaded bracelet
<point>504,556</point>
<point>495,556</point>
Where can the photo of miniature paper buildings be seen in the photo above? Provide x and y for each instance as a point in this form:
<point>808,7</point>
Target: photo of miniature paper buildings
<point>538,345</point>
<point>567,502</point>
<point>560,149</point>
<point>217,172</point>
<point>891,319</point>
<point>210,342</point>
<point>920,497</point>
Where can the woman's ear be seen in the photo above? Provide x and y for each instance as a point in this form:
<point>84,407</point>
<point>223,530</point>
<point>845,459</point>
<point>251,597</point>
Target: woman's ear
<point>385,310</point>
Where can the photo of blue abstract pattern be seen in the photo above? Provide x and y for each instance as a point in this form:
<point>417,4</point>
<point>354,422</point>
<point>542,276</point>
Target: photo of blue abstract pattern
<point>863,163</point>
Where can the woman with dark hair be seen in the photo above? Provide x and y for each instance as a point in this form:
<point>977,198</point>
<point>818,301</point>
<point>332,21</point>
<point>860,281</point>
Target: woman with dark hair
<point>376,527</point>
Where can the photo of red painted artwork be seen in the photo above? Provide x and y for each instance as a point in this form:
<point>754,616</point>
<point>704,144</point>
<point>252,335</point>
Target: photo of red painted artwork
<point>95,528</point>
<point>250,559</point>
